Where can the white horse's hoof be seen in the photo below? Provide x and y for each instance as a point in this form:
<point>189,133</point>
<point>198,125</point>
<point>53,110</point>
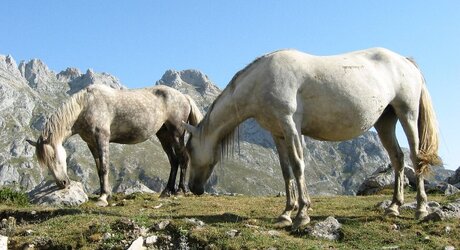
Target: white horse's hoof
<point>391,212</point>
<point>283,221</point>
<point>300,222</point>
<point>421,214</point>
<point>102,203</point>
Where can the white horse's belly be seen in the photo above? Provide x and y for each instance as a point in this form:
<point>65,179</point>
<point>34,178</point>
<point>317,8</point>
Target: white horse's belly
<point>329,121</point>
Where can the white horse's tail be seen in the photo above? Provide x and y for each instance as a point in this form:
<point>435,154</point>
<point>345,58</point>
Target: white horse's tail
<point>195,115</point>
<point>427,133</point>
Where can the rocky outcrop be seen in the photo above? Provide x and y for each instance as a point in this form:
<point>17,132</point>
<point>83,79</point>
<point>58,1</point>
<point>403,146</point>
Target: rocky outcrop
<point>455,178</point>
<point>383,177</point>
<point>47,193</point>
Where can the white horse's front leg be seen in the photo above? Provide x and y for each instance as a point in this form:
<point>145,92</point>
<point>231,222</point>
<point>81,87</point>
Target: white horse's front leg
<point>284,220</point>
<point>295,155</point>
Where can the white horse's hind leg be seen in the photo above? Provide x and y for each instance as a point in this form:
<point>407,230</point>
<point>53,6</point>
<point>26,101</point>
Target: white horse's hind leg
<point>295,155</point>
<point>410,127</point>
<point>385,127</point>
<point>284,219</point>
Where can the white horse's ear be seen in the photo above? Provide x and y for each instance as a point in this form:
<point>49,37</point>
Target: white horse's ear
<point>190,128</point>
<point>31,142</point>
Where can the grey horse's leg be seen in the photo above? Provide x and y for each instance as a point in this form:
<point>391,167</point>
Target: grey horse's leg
<point>386,126</point>
<point>410,126</point>
<point>284,219</point>
<point>102,147</point>
<point>183,162</point>
<point>295,155</point>
<point>166,140</point>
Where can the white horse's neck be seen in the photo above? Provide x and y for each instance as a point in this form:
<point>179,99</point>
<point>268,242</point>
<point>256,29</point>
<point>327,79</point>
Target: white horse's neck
<point>222,119</point>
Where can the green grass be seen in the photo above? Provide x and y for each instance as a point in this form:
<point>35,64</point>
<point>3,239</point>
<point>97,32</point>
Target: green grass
<point>363,225</point>
<point>9,196</point>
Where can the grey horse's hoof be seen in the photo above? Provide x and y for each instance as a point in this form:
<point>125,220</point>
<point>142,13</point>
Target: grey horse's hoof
<point>166,193</point>
<point>300,222</point>
<point>283,221</point>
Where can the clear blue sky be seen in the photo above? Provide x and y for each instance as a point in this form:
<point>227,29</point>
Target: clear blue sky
<point>138,40</point>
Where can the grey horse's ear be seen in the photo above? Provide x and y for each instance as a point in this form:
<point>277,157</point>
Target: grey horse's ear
<point>31,142</point>
<point>190,128</point>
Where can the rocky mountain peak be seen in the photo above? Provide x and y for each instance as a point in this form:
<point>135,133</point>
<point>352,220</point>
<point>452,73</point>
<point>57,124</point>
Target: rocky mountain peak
<point>193,83</point>
<point>195,78</point>
<point>69,74</point>
<point>8,66</point>
<point>91,77</point>
<point>36,73</point>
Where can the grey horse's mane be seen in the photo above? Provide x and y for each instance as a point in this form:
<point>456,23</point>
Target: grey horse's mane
<point>227,142</point>
<point>58,123</point>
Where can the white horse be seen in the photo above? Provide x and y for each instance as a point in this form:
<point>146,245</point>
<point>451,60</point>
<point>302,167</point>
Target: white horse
<point>329,98</point>
<point>100,115</point>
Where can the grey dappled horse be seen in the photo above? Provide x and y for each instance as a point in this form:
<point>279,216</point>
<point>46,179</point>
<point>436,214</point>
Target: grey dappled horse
<point>100,115</point>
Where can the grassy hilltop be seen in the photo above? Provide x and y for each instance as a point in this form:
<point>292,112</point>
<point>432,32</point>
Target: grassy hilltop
<point>251,219</point>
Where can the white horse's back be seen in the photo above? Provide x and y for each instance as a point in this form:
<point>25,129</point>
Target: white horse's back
<point>335,97</point>
<point>291,93</point>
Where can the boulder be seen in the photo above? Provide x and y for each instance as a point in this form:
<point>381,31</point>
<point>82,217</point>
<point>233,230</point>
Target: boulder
<point>441,187</point>
<point>455,178</point>
<point>449,211</point>
<point>3,242</point>
<point>383,177</point>
<point>328,229</point>
<point>47,193</point>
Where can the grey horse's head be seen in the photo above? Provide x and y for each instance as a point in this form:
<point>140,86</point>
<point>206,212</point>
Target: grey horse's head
<point>53,156</point>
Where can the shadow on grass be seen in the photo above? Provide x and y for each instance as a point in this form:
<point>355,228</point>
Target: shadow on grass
<point>215,218</point>
<point>38,216</point>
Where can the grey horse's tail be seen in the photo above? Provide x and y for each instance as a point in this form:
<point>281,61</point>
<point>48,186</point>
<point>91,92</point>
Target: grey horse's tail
<point>427,133</point>
<point>195,115</point>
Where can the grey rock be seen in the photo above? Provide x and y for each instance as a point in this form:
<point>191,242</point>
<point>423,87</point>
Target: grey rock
<point>431,206</point>
<point>449,211</point>
<point>383,205</point>
<point>151,240</point>
<point>132,186</point>
<point>10,175</point>
<point>273,233</point>
<point>441,187</point>
<point>232,233</point>
<point>3,242</point>
<point>161,225</point>
<point>106,236</point>
<point>195,222</point>
<point>47,193</point>
<point>137,244</point>
<point>383,177</point>
<point>454,178</point>
<point>328,229</point>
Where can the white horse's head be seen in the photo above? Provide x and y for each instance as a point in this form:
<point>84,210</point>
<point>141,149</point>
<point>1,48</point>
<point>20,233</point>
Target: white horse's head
<point>202,159</point>
<point>53,156</point>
